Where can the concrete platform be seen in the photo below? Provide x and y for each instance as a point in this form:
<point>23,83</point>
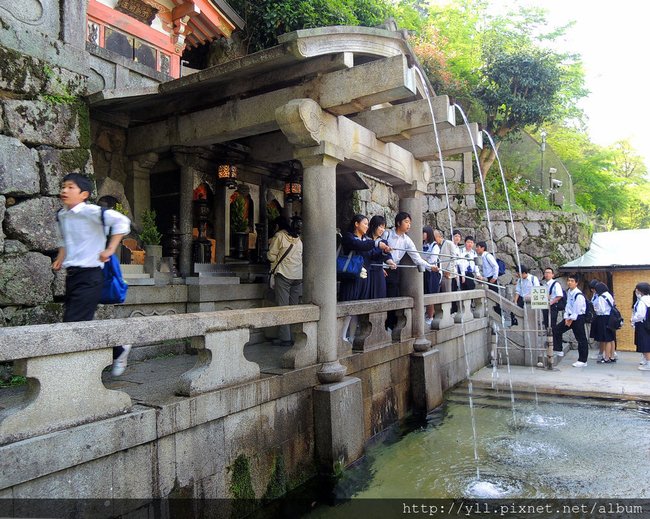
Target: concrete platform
<point>621,380</point>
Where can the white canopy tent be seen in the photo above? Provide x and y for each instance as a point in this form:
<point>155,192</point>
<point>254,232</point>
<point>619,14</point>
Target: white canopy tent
<point>627,249</point>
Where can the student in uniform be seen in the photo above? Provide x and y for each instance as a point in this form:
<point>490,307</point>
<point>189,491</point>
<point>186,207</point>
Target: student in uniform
<point>574,319</point>
<point>641,334</point>
<point>83,251</point>
<point>467,267</point>
<point>432,277</point>
<point>401,244</point>
<point>523,289</point>
<point>603,304</point>
<point>555,295</point>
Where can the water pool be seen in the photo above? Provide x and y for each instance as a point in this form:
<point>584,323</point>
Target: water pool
<point>544,447</point>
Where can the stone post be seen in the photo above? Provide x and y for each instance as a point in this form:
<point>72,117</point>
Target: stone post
<point>304,124</point>
<point>73,22</point>
<point>219,223</point>
<point>411,283</point>
<point>185,161</point>
<point>319,257</point>
<point>138,184</point>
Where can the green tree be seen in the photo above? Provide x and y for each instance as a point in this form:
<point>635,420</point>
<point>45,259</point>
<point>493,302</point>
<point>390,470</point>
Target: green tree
<point>267,19</point>
<point>503,71</point>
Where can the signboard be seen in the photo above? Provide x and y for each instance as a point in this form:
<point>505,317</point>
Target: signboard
<point>539,298</point>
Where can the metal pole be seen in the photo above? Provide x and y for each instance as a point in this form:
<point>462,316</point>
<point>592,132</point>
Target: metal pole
<point>541,171</point>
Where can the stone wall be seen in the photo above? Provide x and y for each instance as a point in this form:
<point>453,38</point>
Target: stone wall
<point>44,134</point>
<point>255,439</point>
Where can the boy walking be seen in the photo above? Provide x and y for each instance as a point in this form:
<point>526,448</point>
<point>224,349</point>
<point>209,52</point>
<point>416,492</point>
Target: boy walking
<point>83,251</point>
<point>574,319</point>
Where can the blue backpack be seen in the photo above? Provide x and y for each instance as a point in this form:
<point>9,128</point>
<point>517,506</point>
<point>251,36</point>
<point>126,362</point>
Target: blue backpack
<point>502,266</point>
<point>114,288</point>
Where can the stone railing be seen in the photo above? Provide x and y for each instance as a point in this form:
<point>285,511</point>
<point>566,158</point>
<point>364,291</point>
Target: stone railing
<point>470,305</point>
<point>63,362</point>
<point>372,313</point>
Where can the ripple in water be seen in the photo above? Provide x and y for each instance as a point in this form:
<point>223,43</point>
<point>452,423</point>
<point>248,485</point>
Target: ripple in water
<point>544,421</point>
<point>522,452</point>
<point>493,488</point>
<point>539,421</point>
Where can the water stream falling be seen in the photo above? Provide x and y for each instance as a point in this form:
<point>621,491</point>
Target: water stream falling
<point>514,235</point>
<point>451,230</point>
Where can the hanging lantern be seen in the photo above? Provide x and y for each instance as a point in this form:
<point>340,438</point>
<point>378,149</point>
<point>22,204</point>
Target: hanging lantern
<point>227,175</point>
<point>293,186</point>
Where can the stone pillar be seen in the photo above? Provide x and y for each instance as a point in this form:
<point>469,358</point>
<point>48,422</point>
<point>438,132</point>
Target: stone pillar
<point>411,283</point>
<point>426,382</point>
<point>219,223</point>
<point>319,252</point>
<point>73,22</point>
<point>310,131</point>
<point>186,162</point>
<point>338,423</point>
<point>138,184</point>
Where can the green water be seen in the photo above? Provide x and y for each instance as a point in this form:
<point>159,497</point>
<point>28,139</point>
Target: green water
<point>542,448</point>
<point>555,447</point>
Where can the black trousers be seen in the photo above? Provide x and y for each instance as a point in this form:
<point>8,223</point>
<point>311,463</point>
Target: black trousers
<point>578,327</point>
<point>392,290</point>
<point>554,313</point>
<point>83,290</point>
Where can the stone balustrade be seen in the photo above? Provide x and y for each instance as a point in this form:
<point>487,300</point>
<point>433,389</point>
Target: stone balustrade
<point>470,304</point>
<point>371,332</point>
<point>63,362</point>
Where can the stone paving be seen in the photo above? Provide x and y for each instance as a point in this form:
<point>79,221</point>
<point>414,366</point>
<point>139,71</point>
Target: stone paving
<point>620,380</point>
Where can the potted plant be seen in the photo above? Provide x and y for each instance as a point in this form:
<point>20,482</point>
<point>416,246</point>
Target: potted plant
<point>239,226</point>
<point>150,236</point>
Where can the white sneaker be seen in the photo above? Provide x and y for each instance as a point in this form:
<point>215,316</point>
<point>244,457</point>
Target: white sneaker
<point>558,353</point>
<point>579,364</point>
<point>428,321</point>
<point>119,364</point>
<point>645,367</point>
<point>643,362</point>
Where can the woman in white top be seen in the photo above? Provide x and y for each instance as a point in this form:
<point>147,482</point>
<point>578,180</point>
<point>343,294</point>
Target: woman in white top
<point>603,303</point>
<point>641,333</point>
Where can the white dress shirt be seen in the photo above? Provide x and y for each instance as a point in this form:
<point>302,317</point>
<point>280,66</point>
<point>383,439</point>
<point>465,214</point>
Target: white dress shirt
<point>640,308</point>
<point>464,263</point>
<point>525,286</point>
<point>554,289</point>
<point>576,304</point>
<point>601,306</point>
<point>403,241</point>
<point>83,236</point>
<point>490,266</point>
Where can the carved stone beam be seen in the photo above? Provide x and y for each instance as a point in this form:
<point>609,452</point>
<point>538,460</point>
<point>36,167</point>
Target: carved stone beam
<point>341,92</point>
<point>452,141</point>
<point>399,122</point>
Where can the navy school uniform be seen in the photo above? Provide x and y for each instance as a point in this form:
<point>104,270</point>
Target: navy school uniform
<point>359,288</point>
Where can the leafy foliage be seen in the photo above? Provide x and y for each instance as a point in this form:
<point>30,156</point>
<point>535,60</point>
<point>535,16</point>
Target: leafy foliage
<point>522,197</point>
<point>267,19</point>
<point>149,235</point>
<point>238,220</point>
